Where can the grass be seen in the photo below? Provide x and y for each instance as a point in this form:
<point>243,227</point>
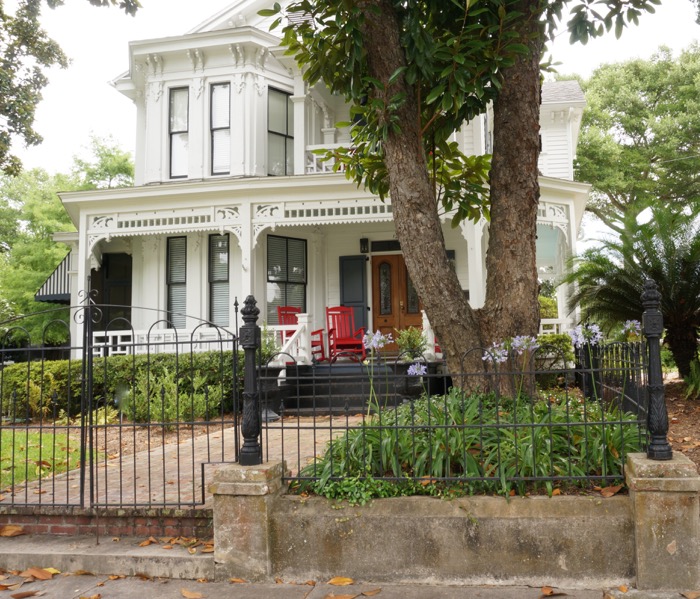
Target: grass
<point>26,455</point>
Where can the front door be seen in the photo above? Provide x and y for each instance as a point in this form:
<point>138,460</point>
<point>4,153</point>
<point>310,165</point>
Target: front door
<point>395,302</point>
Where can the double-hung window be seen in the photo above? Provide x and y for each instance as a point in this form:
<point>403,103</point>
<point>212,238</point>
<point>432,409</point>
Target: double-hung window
<point>220,129</point>
<point>218,280</point>
<point>178,128</point>
<point>286,274</point>
<point>176,280</point>
<point>280,133</point>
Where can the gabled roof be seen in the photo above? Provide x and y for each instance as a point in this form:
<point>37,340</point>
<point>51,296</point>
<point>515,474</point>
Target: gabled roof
<point>562,92</point>
<point>237,14</point>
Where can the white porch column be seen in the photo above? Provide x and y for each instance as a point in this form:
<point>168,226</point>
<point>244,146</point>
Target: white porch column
<point>473,234</point>
<point>299,101</point>
<point>304,348</point>
<point>245,242</point>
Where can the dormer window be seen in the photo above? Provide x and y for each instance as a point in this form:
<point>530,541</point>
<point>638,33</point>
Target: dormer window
<point>280,133</point>
<point>221,129</point>
<point>179,126</point>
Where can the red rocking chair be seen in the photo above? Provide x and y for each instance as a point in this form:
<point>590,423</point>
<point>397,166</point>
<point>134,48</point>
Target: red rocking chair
<point>287,315</point>
<point>343,339</point>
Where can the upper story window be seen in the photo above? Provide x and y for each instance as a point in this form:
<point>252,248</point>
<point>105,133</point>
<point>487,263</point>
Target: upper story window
<point>179,127</point>
<point>280,133</point>
<point>176,281</point>
<point>221,129</point>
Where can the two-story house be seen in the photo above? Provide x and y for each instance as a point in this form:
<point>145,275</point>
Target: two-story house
<point>230,198</point>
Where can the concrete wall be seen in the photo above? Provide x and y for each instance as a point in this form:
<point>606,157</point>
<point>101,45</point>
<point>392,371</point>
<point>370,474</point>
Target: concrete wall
<point>564,541</point>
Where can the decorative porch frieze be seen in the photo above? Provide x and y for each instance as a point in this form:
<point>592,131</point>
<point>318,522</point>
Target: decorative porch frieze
<point>554,215</point>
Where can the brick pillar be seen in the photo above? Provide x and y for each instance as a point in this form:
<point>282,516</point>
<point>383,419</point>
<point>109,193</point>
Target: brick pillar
<point>666,514</point>
<point>244,497</point>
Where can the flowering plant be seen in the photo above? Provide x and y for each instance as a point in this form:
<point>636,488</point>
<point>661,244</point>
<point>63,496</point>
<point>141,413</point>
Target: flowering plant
<point>373,342</point>
<point>586,334</point>
<point>632,330</point>
<point>501,352</point>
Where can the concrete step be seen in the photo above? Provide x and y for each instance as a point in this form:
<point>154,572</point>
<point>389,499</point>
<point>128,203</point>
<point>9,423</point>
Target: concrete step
<point>111,556</point>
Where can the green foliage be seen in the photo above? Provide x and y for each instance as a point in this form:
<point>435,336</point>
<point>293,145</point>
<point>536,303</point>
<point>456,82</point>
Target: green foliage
<point>412,344</point>
<point>692,381</point>
<point>560,343</point>
<point>488,443</point>
<point>609,281</point>
<point>110,166</point>
<point>638,142</point>
<point>26,54</point>
<point>548,307</point>
<point>53,388</point>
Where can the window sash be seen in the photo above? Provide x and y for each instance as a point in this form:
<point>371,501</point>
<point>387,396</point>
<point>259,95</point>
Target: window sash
<point>178,129</point>
<point>280,138</point>
<point>220,129</point>
<point>286,274</point>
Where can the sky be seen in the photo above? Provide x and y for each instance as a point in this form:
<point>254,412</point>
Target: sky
<point>79,101</point>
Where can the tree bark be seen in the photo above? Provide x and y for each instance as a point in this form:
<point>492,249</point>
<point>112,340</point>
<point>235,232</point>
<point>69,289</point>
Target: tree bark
<point>511,306</point>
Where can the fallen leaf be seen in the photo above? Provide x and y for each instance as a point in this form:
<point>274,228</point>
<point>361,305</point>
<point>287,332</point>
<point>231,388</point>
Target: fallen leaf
<point>24,594</point>
<point>80,573</point>
<point>371,593</point>
<point>116,576</point>
<point>167,546</point>
<point>148,541</point>
<point>341,581</point>
<point>191,594</point>
<point>547,591</point>
<point>691,594</point>
<point>38,573</point>
<point>191,550</point>
<point>279,581</point>
<point>52,570</point>
<point>11,530</point>
<point>95,596</point>
<point>202,580</point>
<point>610,491</point>
<point>237,580</point>
<point>556,492</point>
<point>333,596</point>
<point>623,588</point>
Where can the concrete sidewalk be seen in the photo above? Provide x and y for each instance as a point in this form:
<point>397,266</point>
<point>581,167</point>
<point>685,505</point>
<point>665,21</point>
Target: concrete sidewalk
<point>121,569</point>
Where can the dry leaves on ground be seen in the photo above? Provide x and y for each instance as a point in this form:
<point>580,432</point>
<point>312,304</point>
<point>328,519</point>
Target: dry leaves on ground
<point>11,530</point>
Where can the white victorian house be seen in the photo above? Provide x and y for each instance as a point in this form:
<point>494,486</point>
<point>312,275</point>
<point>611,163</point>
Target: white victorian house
<point>230,198</point>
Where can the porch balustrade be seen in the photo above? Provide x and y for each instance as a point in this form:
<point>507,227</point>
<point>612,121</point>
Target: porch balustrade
<point>315,164</point>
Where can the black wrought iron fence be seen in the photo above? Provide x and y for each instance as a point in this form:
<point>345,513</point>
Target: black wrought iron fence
<point>529,419</point>
<point>130,417</point>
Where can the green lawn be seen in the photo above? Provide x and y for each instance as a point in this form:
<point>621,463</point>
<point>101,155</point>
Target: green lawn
<point>29,454</point>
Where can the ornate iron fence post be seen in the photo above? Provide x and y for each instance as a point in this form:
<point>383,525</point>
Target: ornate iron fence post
<point>657,417</point>
<point>251,452</point>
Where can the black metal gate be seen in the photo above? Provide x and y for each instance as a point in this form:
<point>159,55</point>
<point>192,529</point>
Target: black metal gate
<point>128,416</point>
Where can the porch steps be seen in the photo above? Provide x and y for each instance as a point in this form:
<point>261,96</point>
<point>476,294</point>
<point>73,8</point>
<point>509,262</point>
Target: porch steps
<point>346,387</point>
<point>111,556</point>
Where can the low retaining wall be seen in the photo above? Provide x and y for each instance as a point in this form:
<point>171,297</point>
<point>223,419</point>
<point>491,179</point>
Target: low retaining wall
<point>110,522</point>
<point>576,542</point>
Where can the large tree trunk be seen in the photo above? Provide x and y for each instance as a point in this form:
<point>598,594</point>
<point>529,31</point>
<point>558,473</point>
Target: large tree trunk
<point>418,226</point>
<point>511,301</point>
<point>511,306</point>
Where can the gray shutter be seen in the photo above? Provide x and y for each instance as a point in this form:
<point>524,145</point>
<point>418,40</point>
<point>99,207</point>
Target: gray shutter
<point>177,281</point>
<point>219,279</point>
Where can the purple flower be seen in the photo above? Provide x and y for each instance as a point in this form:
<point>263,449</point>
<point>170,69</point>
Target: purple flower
<point>376,340</point>
<point>523,343</point>
<point>496,354</point>
<point>417,369</point>
<point>632,328</point>
<point>586,334</point>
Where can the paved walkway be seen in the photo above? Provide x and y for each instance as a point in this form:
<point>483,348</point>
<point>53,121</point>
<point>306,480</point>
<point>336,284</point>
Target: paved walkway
<point>177,474</point>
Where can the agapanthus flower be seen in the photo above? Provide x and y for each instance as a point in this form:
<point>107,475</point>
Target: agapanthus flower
<point>496,354</point>
<point>523,343</point>
<point>417,369</point>
<point>632,327</point>
<point>376,340</point>
<point>586,334</point>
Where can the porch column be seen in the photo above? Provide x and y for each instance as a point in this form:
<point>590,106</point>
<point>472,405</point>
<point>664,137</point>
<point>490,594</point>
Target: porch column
<point>299,101</point>
<point>473,234</point>
<point>245,242</point>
